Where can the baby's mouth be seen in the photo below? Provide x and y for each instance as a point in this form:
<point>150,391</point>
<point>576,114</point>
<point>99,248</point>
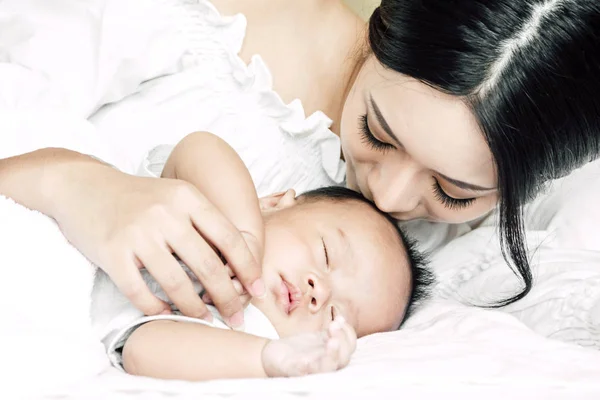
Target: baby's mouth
<point>290,296</point>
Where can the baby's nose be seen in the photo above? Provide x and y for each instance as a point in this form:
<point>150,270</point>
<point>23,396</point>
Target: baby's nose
<point>319,294</point>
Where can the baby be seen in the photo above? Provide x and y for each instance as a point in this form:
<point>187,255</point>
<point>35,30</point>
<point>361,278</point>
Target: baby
<point>335,267</point>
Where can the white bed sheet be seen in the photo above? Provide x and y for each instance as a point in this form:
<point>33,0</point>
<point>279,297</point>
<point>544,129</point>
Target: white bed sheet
<point>447,350</point>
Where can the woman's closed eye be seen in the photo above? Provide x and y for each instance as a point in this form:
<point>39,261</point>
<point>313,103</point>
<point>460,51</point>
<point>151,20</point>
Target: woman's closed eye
<point>441,196</point>
<point>369,139</point>
<point>449,201</point>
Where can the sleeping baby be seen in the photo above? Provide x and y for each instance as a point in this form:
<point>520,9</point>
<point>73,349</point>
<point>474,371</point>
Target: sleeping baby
<point>335,268</point>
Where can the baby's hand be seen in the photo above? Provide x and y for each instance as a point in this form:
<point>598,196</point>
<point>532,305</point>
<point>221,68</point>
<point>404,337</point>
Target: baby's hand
<point>311,353</point>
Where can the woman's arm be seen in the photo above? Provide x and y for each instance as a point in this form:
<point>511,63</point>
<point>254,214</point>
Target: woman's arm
<point>32,179</point>
<point>121,222</point>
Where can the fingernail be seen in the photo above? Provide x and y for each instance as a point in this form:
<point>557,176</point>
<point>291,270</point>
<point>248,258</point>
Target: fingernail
<point>236,321</point>
<point>339,319</point>
<point>166,312</point>
<point>258,289</point>
<point>206,298</point>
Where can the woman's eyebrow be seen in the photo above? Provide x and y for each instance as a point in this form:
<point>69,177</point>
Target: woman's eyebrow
<point>383,122</point>
<point>464,185</point>
<point>386,127</point>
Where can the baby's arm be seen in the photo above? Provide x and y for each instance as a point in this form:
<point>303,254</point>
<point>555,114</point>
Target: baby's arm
<point>189,351</point>
<point>211,165</point>
<point>179,350</point>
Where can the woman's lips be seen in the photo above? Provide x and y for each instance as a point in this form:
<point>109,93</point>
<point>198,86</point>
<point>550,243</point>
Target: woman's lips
<point>290,296</point>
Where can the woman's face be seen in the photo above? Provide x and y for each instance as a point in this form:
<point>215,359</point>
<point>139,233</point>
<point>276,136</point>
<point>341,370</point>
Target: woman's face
<point>416,152</point>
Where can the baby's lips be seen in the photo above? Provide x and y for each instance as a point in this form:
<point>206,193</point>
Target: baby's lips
<point>296,296</point>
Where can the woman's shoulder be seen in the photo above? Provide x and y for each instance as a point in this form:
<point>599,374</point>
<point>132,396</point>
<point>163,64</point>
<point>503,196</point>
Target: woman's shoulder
<point>304,43</point>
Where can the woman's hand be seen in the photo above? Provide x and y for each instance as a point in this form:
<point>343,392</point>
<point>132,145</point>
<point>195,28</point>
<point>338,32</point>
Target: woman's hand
<point>245,297</point>
<point>123,223</point>
<point>310,353</point>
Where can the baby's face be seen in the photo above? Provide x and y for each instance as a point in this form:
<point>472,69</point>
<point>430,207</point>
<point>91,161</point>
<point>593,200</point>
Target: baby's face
<point>325,258</point>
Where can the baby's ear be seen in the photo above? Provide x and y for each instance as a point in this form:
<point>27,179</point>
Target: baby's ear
<point>278,201</point>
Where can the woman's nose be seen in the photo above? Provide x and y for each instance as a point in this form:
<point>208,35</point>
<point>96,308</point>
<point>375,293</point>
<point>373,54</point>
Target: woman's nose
<point>319,293</point>
<point>395,192</point>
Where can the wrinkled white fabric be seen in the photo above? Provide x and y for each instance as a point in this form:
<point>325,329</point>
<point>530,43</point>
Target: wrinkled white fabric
<point>218,93</point>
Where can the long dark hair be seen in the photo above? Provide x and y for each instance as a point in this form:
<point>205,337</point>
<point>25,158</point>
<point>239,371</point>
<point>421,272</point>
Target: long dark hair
<point>530,72</point>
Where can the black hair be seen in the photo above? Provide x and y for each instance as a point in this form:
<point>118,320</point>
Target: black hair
<point>530,72</point>
<point>421,278</point>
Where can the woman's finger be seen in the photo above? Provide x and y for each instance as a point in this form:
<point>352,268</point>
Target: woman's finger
<point>219,231</point>
<point>176,284</point>
<point>210,271</point>
<point>128,279</point>
<point>244,296</point>
<point>238,286</point>
<point>253,245</point>
<point>245,299</point>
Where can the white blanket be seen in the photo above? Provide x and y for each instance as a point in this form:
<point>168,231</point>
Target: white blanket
<point>45,283</point>
<point>45,289</point>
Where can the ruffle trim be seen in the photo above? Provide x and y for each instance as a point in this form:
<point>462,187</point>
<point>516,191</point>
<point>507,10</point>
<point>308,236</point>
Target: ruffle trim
<point>256,77</point>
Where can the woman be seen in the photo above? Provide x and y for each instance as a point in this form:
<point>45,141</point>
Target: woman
<point>445,111</point>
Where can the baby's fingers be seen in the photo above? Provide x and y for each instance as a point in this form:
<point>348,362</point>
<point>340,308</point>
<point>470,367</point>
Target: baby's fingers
<point>350,335</point>
<point>317,361</point>
<point>342,333</point>
<point>331,357</point>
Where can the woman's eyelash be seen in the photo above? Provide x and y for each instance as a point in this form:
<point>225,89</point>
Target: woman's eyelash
<point>450,202</point>
<point>368,138</point>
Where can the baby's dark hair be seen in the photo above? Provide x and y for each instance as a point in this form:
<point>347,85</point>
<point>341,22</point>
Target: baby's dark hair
<point>421,278</point>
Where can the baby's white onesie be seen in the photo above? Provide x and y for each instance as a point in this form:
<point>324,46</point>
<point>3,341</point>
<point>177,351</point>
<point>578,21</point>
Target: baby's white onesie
<point>114,318</point>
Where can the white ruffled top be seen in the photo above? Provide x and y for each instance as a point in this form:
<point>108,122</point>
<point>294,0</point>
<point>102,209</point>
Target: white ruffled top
<point>215,91</point>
